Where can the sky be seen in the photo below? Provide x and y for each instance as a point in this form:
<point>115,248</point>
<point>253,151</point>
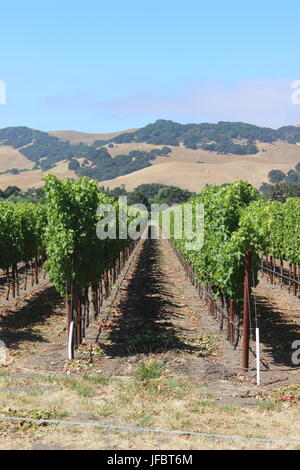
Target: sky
<point>98,66</point>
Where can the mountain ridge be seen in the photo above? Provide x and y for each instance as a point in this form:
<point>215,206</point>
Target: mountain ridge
<point>75,137</point>
<point>120,154</point>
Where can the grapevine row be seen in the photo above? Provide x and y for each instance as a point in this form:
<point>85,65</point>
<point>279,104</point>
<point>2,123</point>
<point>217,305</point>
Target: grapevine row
<point>238,221</point>
<point>239,228</point>
<point>22,227</point>
<point>77,258</point>
<point>63,231</point>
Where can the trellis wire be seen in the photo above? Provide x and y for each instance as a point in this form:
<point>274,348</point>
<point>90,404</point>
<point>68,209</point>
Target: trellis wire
<point>152,430</point>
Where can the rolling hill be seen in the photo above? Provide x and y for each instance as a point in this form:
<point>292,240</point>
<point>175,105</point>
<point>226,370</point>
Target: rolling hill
<point>75,137</point>
<point>188,156</point>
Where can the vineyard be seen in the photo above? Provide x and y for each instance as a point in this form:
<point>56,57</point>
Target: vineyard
<point>241,229</point>
<point>154,302</point>
<point>243,233</point>
<point>22,229</point>
<point>62,236</point>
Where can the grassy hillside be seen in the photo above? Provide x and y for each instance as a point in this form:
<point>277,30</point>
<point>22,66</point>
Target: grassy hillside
<point>188,156</point>
<point>75,137</point>
<point>39,147</point>
<point>181,168</point>
<point>224,137</point>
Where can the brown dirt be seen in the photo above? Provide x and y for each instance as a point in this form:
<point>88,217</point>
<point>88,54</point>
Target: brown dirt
<point>29,321</point>
<point>158,311</point>
<point>154,311</point>
<point>278,313</point>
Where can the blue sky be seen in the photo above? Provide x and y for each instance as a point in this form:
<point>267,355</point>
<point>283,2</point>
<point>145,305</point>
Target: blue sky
<point>102,66</point>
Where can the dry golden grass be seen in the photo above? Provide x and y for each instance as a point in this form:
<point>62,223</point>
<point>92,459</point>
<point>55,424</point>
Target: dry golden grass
<point>29,179</point>
<point>12,158</point>
<point>166,402</point>
<point>75,137</point>
<point>126,148</point>
<point>180,168</point>
<point>61,170</point>
<point>34,178</point>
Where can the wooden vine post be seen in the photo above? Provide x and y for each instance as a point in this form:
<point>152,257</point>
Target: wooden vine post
<point>271,267</point>
<point>13,277</point>
<point>247,308</point>
<point>231,327</point>
<point>295,279</point>
<point>36,270</point>
<point>78,329</point>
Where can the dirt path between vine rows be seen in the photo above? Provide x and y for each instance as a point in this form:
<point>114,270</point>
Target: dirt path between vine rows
<point>154,309</point>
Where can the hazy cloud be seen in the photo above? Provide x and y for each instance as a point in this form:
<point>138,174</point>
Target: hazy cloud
<point>263,102</point>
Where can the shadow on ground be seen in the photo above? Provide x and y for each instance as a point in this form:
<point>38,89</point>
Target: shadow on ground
<point>276,333</point>
<point>145,325</point>
<point>17,325</point>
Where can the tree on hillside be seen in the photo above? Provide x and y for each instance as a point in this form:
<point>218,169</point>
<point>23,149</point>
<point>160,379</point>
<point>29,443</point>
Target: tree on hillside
<point>293,177</point>
<point>137,197</point>
<point>73,164</point>
<point>280,191</point>
<point>150,190</point>
<point>119,191</point>
<point>276,176</point>
<point>297,167</point>
<point>172,195</point>
<point>267,190</point>
<point>10,191</point>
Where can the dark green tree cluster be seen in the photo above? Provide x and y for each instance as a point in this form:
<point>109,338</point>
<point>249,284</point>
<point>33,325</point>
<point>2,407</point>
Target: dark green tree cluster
<point>280,191</point>
<point>14,194</point>
<point>46,150</point>
<point>73,164</point>
<point>172,195</point>
<point>9,191</point>
<point>153,193</point>
<point>218,137</point>
<point>276,176</point>
<point>282,185</point>
<point>43,149</point>
<point>104,166</point>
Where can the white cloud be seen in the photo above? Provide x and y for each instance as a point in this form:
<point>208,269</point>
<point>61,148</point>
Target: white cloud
<point>262,102</point>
